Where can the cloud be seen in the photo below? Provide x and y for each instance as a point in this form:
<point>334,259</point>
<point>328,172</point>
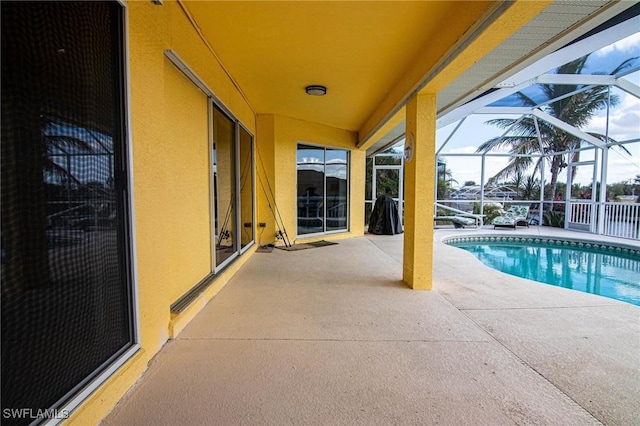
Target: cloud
<point>473,149</point>
<point>628,44</point>
<point>623,166</point>
<point>463,150</point>
<point>469,168</point>
<point>624,121</point>
<point>620,166</point>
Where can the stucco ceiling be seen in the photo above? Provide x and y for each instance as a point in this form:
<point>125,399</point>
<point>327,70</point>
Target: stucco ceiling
<point>363,51</point>
<point>358,50</point>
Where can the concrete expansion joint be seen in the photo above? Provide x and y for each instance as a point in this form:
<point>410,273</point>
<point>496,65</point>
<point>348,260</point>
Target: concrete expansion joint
<point>276,339</point>
<point>488,332</point>
<point>516,308</point>
<point>381,250</point>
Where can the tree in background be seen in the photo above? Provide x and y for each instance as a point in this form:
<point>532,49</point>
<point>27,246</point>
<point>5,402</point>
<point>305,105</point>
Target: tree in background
<point>445,181</point>
<point>530,188</point>
<point>575,109</point>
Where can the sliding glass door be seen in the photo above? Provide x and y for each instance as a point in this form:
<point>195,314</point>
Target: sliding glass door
<point>245,154</point>
<point>224,187</point>
<point>232,182</point>
<point>67,292</point>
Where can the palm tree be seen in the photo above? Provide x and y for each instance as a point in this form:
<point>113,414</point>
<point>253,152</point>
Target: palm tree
<point>445,181</point>
<point>530,188</point>
<point>517,182</point>
<point>575,109</point>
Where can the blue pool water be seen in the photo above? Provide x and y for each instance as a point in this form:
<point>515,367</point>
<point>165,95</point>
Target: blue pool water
<point>597,270</point>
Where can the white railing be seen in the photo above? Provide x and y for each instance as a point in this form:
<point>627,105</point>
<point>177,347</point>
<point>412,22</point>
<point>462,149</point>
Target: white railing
<point>580,213</point>
<point>622,220</point>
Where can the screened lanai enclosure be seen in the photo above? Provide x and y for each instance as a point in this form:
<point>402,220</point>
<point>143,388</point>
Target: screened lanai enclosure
<point>561,137</point>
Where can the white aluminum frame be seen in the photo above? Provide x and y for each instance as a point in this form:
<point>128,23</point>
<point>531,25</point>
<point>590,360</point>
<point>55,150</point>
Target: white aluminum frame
<point>400,168</point>
<point>239,126</point>
<point>534,75</point>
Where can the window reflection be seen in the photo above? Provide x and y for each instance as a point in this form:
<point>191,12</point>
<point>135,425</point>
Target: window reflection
<point>336,171</point>
<point>224,186</point>
<point>310,190</point>
<point>78,176</point>
<point>246,188</point>
<point>322,189</point>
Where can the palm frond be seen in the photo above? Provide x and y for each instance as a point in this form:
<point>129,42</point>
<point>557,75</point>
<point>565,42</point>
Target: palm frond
<point>61,142</point>
<point>609,140</point>
<point>624,65</point>
<point>60,173</point>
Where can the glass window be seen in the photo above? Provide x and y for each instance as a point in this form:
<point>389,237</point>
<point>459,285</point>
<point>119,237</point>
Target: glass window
<point>233,187</point>
<point>224,185</point>
<point>310,189</point>
<point>246,188</point>
<point>336,171</point>
<point>66,285</point>
<point>322,189</point>
<point>388,182</point>
<point>388,159</point>
<point>368,187</point>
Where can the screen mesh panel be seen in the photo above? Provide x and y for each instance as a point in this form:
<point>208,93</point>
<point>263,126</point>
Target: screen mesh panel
<point>66,308</point>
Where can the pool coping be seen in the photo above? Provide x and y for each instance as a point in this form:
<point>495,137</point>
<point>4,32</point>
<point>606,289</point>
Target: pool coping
<point>567,242</point>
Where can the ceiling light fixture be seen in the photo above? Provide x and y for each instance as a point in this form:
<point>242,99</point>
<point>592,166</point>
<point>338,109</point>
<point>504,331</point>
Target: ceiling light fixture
<point>316,90</point>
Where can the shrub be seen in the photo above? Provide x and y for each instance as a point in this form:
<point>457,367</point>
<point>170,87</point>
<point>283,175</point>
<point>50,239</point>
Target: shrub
<point>554,219</point>
<point>491,211</point>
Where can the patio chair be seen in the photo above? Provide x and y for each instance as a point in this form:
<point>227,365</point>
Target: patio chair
<point>514,216</point>
<point>458,221</point>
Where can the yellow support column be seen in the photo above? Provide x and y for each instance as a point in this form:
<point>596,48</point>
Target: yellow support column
<point>419,191</point>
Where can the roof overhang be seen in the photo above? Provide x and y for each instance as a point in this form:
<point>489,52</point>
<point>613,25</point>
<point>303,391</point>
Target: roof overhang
<point>509,63</point>
<point>374,56</point>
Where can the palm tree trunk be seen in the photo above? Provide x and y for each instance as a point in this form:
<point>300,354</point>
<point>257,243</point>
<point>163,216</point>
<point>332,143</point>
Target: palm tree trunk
<point>574,159</point>
<point>555,171</point>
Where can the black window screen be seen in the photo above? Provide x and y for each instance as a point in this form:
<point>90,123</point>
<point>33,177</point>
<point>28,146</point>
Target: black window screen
<point>66,287</point>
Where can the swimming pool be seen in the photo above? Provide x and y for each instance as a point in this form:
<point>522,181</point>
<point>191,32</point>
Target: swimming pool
<point>599,268</point>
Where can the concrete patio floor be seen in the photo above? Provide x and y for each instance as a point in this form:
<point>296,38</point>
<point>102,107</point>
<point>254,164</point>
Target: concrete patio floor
<point>331,336</point>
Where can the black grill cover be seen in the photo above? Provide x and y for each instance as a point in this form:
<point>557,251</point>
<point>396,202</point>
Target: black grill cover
<point>385,219</point>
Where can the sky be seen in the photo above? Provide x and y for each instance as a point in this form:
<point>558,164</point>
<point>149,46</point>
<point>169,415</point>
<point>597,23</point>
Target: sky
<point>624,124</point>
<point>92,162</point>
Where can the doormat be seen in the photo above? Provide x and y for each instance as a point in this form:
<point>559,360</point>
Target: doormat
<point>264,249</point>
<point>305,246</point>
<point>322,243</point>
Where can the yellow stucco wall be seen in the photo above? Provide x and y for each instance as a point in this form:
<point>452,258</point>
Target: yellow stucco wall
<point>278,137</point>
<point>171,183</point>
<point>265,176</point>
<point>419,193</point>
<point>185,189</point>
